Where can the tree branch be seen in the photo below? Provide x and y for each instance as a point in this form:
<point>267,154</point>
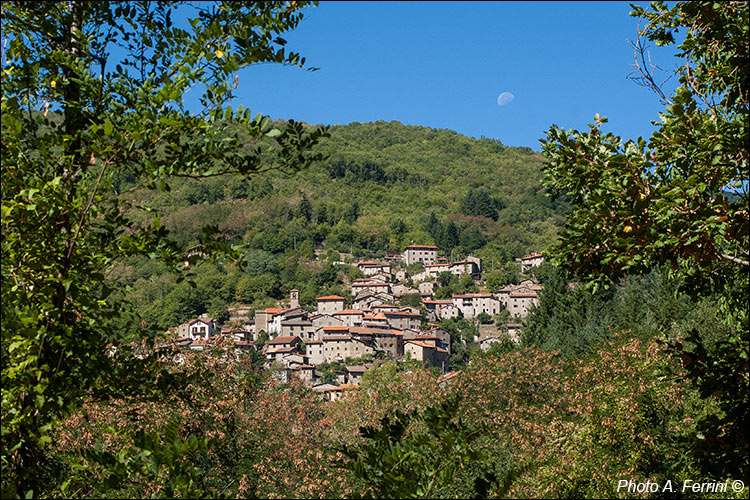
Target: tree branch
<point>736,260</point>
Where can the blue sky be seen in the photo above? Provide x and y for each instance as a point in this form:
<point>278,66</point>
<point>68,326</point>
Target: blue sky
<point>444,64</point>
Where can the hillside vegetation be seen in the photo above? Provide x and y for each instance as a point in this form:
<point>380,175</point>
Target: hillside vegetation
<point>382,187</point>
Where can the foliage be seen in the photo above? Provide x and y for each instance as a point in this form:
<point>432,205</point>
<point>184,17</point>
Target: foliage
<point>399,461</point>
<point>480,202</point>
<point>681,201</point>
<point>633,206</point>
<point>83,130</point>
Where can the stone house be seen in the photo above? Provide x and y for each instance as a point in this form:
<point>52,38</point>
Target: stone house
<point>432,271</point>
<point>320,320</point>
<point>283,342</point>
<point>465,267</point>
<point>424,254</point>
<point>427,353</point>
<point>402,320</point>
<point>264,317</point>
<point>388,340</point>
<point>340,347</point>
<point>298,328</point>
<point>330,304</point>
<point>350,317</point>
<point>532,260</point>
<point>340,392</point>
<point>369,268</point>
<point>520,302</point>
<point>473,304</point>
<point>441,309</point>
<point>314,352</point>
<point>305,373</point>
<point>370,286</point>
<point>426,288</point>
<point>375,320</point>
<point>354,374</point>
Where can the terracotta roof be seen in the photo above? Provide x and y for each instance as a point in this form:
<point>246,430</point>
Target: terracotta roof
<point>440,349</point>
<point>336,328</point>
<point>524,295</point>
<point>433,247</point>
<point>336,337</point>
<point>348,312</point>
<point>283,339</point>
<point>273,310</point>
<point>472,295</point>
<point>532,256</point>
<point>426,301</point>
<point>424,345</point>
<point>345,387</point>
<point>330,297</point>
<point>283,350</point>
<point>400,313</point>
<point>365,330</point>
<point>367,262</point>
<point>380,306</point>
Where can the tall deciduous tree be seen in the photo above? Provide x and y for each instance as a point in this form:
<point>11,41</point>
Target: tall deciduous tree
<point>680,201</point>
<point>93,92</point>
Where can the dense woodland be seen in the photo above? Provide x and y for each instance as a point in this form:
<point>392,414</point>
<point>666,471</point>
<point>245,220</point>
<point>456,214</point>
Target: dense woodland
<point>633,367</point>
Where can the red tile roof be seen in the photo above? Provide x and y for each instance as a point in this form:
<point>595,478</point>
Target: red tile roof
<point>400,313</point>
<point>283,339</point>
<point>431,247</point>
<point>532,256</point>
<point>345,387</point>
<point>348,312</point>
<point>330,297</point>
<point>335,328</point>
<point>421,344</point>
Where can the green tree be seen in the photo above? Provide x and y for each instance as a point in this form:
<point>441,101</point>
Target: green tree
<point>79,120</point>
<point>479,202</point>
<point>304,209</point>
<point>681,200</point>
<point>449,239</point>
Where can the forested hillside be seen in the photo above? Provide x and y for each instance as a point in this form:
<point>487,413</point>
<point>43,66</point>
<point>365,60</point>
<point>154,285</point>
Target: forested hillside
<point>382,187</point>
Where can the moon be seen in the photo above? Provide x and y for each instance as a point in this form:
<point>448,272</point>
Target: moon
<point>505,98</point>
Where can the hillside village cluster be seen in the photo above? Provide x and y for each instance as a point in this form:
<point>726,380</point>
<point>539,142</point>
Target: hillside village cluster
<point>300,340</point>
